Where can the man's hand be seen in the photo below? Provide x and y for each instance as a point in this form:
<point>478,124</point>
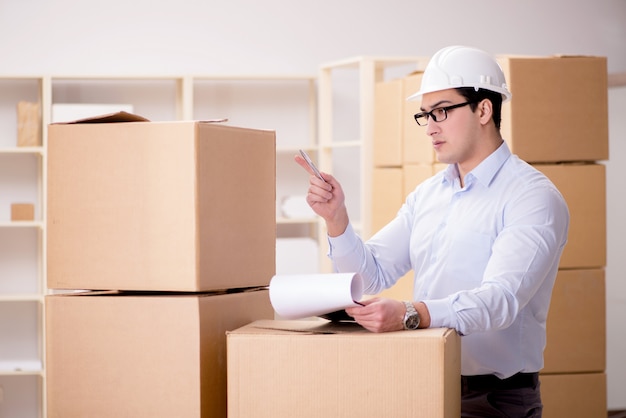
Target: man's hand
<point>379,315</point>
<point>327,200</point>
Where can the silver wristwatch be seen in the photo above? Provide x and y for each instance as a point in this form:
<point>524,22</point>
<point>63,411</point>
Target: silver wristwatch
<point>411,317</point>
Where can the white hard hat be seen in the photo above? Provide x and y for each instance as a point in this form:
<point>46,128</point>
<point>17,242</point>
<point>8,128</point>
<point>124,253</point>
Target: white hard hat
<point>461,66</point>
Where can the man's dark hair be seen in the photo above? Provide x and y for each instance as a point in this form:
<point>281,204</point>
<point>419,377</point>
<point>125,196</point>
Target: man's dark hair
<point>474,96</point>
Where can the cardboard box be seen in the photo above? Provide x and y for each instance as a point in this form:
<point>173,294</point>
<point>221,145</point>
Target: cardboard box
<point>319,369</point>
<point>22,212</point>
<point>559,110</point>
<point>391,186</point>
<point>574,395</point>
<point>111,354</point>
<point>388,113</point>
<point>416,173</point>
<point>418,146</point>
<point>584,188</point>
<point>577,336</point>
<point>28,124</point>
<point>398,139</point>
<point>402,289</point>
<point>165,206</point>
<point>387,195</point>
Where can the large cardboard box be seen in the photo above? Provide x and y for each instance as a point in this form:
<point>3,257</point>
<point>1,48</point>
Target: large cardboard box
<point>581,395</point>
<point>576,337</point>
<point>165,206</point>
<point>584,188</point>
<point>318,369</point>
<point>111,354</point>
<point>559,110</point>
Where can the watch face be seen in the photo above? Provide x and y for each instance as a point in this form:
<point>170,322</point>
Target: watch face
<point>412,322</point>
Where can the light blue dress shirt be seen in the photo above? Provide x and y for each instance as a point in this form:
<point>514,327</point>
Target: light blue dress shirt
<point>485,257</point>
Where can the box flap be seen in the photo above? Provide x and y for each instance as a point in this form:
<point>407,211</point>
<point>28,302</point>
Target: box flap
<point>116,117</point>
<point>222,120</point>
<point>321,327</point>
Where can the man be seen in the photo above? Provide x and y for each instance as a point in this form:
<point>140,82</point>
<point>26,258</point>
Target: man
<point>483,237</point>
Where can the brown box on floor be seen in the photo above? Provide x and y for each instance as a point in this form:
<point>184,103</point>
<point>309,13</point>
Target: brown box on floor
<point>581,395</point>
<point>315,369</point>
<point>165,206</point>
<point>112,354</point>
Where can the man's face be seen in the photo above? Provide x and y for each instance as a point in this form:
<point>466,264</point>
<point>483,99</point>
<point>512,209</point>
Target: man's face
<point>453,139</point>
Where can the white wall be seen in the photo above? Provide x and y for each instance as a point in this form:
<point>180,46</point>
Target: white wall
<point>72,37</point>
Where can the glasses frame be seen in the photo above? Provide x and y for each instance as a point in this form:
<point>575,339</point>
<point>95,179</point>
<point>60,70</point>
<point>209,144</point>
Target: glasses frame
<point>430,115</point>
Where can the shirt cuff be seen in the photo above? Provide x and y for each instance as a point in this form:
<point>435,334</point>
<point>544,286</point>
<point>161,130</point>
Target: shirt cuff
<point>343,244</point>
<point>440,312</point>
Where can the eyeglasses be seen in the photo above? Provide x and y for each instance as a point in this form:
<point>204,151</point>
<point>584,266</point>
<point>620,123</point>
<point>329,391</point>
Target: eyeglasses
<point>438,114</point>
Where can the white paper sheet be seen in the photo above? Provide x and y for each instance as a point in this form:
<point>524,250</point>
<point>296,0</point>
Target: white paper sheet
<point>297,296</point>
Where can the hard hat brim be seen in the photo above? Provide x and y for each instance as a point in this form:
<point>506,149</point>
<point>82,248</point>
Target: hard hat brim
<point>506,95</point>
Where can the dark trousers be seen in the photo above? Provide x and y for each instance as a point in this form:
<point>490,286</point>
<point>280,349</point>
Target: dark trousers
<point>487,396</point>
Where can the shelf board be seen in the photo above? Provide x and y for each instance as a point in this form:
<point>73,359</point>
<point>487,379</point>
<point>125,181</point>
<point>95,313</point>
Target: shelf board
<point>341,144</point>
<point>254,77</point>
<point>21,368</point>
<point>174,77</point>
<point>27,297</point>
<point>617,79</point>
<point>381,61</point>
<point>295,150</point>
<point>21,224</point>
<point>286,221</point>
<point>22,150</point>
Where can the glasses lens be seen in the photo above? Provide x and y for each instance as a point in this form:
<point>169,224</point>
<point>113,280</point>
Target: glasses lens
<point>421,118</point>
<point>439,114</point>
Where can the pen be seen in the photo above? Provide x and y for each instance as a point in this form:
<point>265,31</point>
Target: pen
<point>310,164</point>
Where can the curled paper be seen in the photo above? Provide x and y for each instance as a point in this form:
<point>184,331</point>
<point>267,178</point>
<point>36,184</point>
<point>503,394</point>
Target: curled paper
<point>297,296</point>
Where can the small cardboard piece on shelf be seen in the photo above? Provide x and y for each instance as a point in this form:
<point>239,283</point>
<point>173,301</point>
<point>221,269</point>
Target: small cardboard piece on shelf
<point>28,124</point>
<point>325,369</point>
<point>163,206</point>
<point>22,212</point>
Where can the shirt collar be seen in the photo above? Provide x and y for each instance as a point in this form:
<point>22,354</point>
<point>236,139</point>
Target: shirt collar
<point>485,171</point>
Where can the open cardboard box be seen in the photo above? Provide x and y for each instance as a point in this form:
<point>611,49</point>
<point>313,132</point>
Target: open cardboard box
<point>164,206</point>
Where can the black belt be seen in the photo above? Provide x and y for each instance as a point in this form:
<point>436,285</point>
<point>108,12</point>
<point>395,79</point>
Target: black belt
<point>490,382</point>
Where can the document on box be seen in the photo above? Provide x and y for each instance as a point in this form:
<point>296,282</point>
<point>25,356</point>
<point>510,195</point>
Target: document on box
<point>297,296</point>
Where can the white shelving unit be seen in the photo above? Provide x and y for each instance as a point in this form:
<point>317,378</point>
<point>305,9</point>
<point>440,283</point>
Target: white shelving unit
<point>22,257</point>
<point>346,128</point>
<point>284,103</point>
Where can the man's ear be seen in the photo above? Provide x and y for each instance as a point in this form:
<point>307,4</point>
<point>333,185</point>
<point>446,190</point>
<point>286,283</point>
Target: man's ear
<point>485,109</point>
